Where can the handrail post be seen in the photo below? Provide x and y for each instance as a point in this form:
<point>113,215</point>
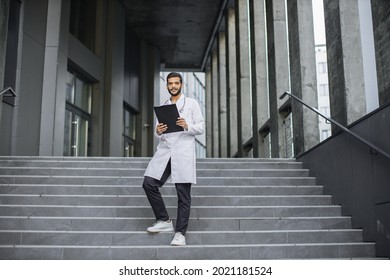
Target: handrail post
<point>336,123</point>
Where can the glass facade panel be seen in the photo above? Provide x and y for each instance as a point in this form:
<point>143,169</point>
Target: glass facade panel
<point>129,119</point>
<point>82,95</point>
<point>77,116</point>
<point>83,21</point>
<point>129,131</point>
<point>70,88</point>
<point>76,135</point>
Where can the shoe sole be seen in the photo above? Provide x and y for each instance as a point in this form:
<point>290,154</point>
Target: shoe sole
<point>175,244</point>
<point>160,230</point>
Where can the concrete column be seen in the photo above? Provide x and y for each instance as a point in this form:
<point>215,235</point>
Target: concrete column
<point>244,89</point>
<point>54,79</point>
<point>303,74</point>
<point>278,71</point>
<point>259,73</point>
<point>209,114</point>
<point>215,110</point>
<point>29,113</point>
<point>368,52</point>
<point>345,61</point>
<point>381,23</point>
<point>4,7</point>
<point>223,128</point>
<point>149,97</point>
<point>231,73</point>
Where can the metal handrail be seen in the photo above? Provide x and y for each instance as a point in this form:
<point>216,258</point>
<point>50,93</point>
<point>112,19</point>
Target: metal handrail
<point>8,89</point>
<point>337,124</point>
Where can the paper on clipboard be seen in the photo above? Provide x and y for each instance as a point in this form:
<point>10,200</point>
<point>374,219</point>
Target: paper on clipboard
<point>168,114</point>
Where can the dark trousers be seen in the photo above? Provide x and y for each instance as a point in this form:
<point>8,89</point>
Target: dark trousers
<point>151,187</point>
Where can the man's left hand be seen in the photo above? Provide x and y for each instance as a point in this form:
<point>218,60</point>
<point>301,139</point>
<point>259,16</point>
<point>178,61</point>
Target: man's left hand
<point>182,122</point>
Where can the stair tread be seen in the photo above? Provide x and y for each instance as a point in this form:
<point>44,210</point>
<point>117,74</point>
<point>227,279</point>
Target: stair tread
<point>145,233</point>
<point>192,246</point>
<point>49,206</point>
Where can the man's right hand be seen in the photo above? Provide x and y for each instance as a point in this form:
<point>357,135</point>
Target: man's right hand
<point>161,128</point>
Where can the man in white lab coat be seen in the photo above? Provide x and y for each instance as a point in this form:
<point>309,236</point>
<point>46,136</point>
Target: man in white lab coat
<point>176,158</point>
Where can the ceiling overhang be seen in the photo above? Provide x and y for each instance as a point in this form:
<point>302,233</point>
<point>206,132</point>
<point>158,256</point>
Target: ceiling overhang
<point>182,30</point>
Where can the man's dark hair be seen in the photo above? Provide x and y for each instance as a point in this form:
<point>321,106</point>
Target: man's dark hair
<point>173,75</point>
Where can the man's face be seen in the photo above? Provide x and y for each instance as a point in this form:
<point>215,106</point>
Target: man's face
<point>174,86</point>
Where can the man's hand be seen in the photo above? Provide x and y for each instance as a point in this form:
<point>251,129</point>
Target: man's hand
<point>161,128</point>
<point>182,122</point>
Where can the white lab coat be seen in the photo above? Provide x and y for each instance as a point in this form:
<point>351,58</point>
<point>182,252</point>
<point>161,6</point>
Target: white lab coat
<point>179,146</point>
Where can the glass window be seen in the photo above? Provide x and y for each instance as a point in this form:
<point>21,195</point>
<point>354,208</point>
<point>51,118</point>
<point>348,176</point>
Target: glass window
<point>267,145</point>
<point>77,115</point>
<point>129,131</point>
<point>324,89</point>
<point>83,21</point>
<point>322,67</point>
<point>82,95</point>
<point>325,111</point>
<point>324,134</point>
<point>79,92</point>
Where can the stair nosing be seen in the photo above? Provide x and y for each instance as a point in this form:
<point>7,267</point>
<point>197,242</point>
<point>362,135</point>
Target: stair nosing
<point>192,246</point>
<point>144,232</point>
<point>152,218</point>
<point>147,206</point>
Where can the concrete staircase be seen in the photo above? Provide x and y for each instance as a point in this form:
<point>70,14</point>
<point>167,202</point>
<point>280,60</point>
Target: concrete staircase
<point>95,208</point>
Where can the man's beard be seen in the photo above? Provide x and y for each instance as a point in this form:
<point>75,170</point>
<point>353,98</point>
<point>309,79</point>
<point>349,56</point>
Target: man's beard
<point>175,94</point>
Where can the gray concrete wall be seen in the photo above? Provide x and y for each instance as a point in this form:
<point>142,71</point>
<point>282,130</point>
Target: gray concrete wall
<point>381,24</point>
<point>358,177</point>
<point>27,125</point>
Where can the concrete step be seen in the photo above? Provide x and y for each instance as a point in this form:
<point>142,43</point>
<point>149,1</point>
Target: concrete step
<point>143,164</point>
<point>127,180</point>
<point>142,238</point>
<point>97,160</point>
<point>123,172</point>
<point>168,189</point>
<point>95,208</point>
<point>170,200</point>
<point>201,252</point>
<point>195,224</point>
<point>145,211</point>
<point>133,159</point>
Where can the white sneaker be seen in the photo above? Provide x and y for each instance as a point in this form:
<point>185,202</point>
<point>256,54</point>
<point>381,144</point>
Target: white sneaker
<point>160,226</point>
<point>178,240</point>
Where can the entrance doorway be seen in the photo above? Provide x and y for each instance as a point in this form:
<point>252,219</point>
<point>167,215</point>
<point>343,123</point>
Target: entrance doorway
<point>77,116</point>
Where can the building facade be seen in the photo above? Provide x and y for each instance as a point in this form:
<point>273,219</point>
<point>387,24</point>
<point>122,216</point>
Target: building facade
<point>84,80</point>
<point>323,92</point>
<point>82,60</point>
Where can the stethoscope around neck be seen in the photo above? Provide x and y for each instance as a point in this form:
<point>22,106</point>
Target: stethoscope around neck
<point>182,107</point>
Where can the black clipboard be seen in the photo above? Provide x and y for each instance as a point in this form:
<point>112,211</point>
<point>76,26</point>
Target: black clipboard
<point>168,114</point>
